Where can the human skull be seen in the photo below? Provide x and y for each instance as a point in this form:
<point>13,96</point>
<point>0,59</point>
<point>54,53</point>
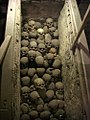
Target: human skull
<point>40,71</point>
<point>56,34</point>
<point>33,114</point>
<point>38,25</point>
<point>48,36</point>
<point>41,48</point>
<point>33,45</point>
<point>49,95</point>
<point>56,64</point>
<point>32,88</point>
<point>24,71</point>
<point>46,30</point>
<point>49,22</point>
<point>31,55</point>
<point>53,51</point>
<point>53,104</point>
<point>24,108</point>
<point>39,61</point>
<point>24,62</point>
<point>25,27</point>
<point>49,71</point>
<point>25,92</point>
<point>40,33</point>
<point>60,114</point>
<point>55,43</point>
<point>33,34</point>
<point>45,115</point>
<point>40,107</point>
<point>46,77</point>
<point>24,43</point>
<point>25,35</point>
<point>24,51</point>
<point>48,43</point>
<point>25,81</point>
<point>32,25</point>
<point>50,58</point>
<point>56,73</point>
<point>60,87</point>
<point>31,72</point>
<point>39,83</point>
<point>52,30</point>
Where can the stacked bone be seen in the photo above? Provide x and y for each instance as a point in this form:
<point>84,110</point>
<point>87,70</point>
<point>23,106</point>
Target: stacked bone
<point>42,90</point>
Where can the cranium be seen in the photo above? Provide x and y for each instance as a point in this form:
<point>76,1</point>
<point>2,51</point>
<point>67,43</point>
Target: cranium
<point>53,51</point>
<point>39,60</point>
<point>38,25</point>
<point>50,58</point>
<point>60,87</point>
<point>25,81</point>
<point>48,43</point>
<point>48,36</point>
<point>24,51</point>
<point>41,48</point>
<point>46,30</point>
<point>40,71</point>
<point>60,114</point>
<point>33,45</point>
<point>52,30</point>
<point>32,88</point>
<point>49,95</point>
<point>24,62</point>
<point>40,33</point>
<point>25,92</point>
<point>31,55</point>
<point>46,77</point>
<point>39,83</point>
<point>24,43</point>
<point>53,104</point>
<point>49,71</point>
<point>31,72</point>
<point>25,35</point>
<point>51,86</point>
<point>40,107</point>
<point>24,107</point>
<point>25,117</point>
<point>25,27</point>
<point>33,34</point>
<point>32,25</point>
<point>55,43</point>
<point>56,73</point>
<point>49,22</point>
<point>24,71</point>
<point>56,34</point>
<point>45,115</point>
<point>33,114</point>
<point>56,64</point>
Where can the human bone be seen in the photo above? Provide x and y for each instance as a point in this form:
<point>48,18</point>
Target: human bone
<point>49,71</point>
<point>49,22</point>
<point>52,30</point>
<point>24,71</point>
<point>24,43</point>
<point>49,94</point>
<point>59,86</point>
<point>48,43</point>
<point>46,77</point>
<point>61,104</point>
<point>46,107</point>
<point>56,73</point>
<point>38,53</point>
<point>33,45</point>
<point>48,36</point>
<point>31,72</point>
<point>39,61</point>
<point>25,27</point>
<point>33,34</point>
<point>31,55</point>
<point>50,58</point>
<point>25,35</point>
<point>24,107</point>
<point>39,83</point>
<point>46,30</point>
<point>39,40</point>
<point>40,33</point>
<point>56,63</point>
<point>41,48</point>
<point>25,92</point>
<point>40,107</point>
<point>33,114</point>
<point>59,95</point>
<point>24,51</point>
<point>38,25</point>
<point>34,77</point>
<point>53,51</point>
<point>32,88</point>
<point>45,115</point>
<point>51,86</point>
<point>46,65</point>
<point>32,25</point>
<point>56,34</point>
<point>34,96</point>
<point>53,104</point>
<point>53,118</point>
<point>40,71</point>
<point>25,117</point>
<point>24,62</point>
<point>55,43</point>
<point>25,81</point>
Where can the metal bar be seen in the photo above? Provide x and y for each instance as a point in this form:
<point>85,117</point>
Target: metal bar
<point>81,28</point>
<point>4,47</point>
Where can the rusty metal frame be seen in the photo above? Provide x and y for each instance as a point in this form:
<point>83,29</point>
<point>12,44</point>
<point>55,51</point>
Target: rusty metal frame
<point>83,58</point>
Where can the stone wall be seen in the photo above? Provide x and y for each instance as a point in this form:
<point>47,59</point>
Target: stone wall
<point>70,75</point>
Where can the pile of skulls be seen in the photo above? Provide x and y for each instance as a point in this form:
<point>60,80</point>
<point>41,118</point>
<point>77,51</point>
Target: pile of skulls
<point>42,90</point>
